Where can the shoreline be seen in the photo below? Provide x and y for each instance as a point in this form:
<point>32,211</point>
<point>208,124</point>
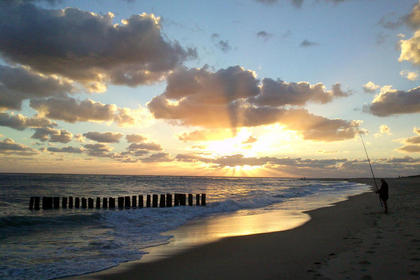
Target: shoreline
<point>308,251</point>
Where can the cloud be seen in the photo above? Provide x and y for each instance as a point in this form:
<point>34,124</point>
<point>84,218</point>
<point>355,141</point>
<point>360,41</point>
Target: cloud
<point>411,144</point>
<point>52,135</point>
<point>233,97</point>
<point>297,3</point>
<point>72,110</point>
<point>18,84</point>
<point>10,147</point>
<point>280,93</point>
<point>389,21</point>
<point>306,43</point>
<point>392,102</point>
<point>68,149</point>
<point>222,45</point>
<point>205,135</point>
<point>98,150</point>
<point>135,138</point>
<point>144,146</point>
<point>410,49</point>
<point>264,35</point>
<point>412,76</point>
<point>21,122</point>
<point>250,140</point>
<point>106,137</point>
<point>370,87</point>
<point>383,129</point>
<point>413,19</point>
<point>94,51</point>
<point>158,157</point>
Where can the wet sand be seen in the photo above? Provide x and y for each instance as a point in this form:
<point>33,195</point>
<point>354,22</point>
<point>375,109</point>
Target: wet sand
<point>350,240</point>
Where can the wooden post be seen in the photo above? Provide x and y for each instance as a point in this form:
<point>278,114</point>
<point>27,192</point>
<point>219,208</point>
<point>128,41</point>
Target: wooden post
<point>183,199</point>
<point>98,203</point>
<point>127,202</point>
<point>155,201</point>
<point>90,203</point>
<point>168,200</point>
<point>70,202</point>
<point>148,201</point>
<point>77,202</point>
<point>203,199</point>
<point>56,202</point>
<point>134,201</point>
<point>141,201</point>
<point>64,202</point>
<point>31,203</point>
<point>121,202</point>
<point>162,202</point>
<point>45,203</point>
<point>36,206</point>
<point>197,199</point>
<point>104,202</point>
<point>112,203</point>
<point>84,202</point>
<point>190,199</point>
<point>176,198</point>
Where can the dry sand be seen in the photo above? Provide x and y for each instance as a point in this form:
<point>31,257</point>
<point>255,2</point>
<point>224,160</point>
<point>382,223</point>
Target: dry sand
<point>351,240</point>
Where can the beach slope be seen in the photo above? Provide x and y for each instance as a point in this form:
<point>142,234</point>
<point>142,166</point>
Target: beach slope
<point>350,240</point>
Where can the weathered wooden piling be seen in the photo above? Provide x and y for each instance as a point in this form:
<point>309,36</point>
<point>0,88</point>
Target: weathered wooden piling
<point>134,201</point>
<point>111,203</point>
<point>64,202</point>
<point>203,199</point>
<point>155,201</point>
<point>152,200</point>
<point>84,204</point>
<point>31,203</point>
<point>127,202</point>
<point>162,202</point>
<point>168,200</point>
<point>141,201</point>
<point>90,203</point>
<point>183,199</point>
<point>36,203</point>
<point>104,202</point>
<point>121,202</point>
<point>190,199</point>
<point>148,204</point>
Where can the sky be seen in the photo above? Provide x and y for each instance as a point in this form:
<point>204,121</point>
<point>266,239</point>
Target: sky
<point>210,88</point>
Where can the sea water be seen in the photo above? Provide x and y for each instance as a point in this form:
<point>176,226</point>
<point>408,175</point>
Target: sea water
<point>47,244</point>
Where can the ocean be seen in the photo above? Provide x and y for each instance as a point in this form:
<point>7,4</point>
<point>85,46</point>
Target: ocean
<point>48,244</point>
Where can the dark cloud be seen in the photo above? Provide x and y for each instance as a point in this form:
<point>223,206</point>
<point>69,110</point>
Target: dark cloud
<point>10,147</point>
<point>93,50</point>
<point>222,45</point>
<point>18,84</point>
<point>52,135</point>
<point>21,122</point>
<point>311,167</point>
<point>297,3</point>
<point>98,150</point>
<point>264,35</point>
<point>306,43</point>
<point>390,22</point>
<point>144,146</point>
<point>410,148</point>
<point>158,157</point>
<point>72,110</point>
<point>392,102</point>
<point>411,144</point>
<point>233,97</point>
<point>105,137</point>
<point>413,19</point>
<point>68,149</point>
<point>135,138</point>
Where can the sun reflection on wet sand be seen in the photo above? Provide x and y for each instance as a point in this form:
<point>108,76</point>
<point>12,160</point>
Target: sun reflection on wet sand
<point>206,230</point>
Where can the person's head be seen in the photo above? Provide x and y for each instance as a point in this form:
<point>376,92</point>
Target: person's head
<point>382,180</point>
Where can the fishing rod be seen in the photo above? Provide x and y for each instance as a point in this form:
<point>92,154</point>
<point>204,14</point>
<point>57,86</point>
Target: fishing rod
<point>370,165</point>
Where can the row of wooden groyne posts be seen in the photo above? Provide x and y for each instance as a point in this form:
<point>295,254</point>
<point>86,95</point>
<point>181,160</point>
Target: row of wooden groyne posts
<point>123,202</point>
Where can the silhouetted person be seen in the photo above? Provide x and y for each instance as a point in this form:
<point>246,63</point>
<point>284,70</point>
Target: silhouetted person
<point>383,194</point>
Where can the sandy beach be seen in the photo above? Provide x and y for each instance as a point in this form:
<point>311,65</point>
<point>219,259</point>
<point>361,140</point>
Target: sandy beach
<point>353,239</point>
